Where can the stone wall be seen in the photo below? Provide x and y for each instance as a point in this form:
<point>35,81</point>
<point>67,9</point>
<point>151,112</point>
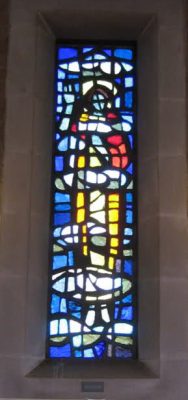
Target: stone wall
<point>4,31</point>
<point>159,28</point>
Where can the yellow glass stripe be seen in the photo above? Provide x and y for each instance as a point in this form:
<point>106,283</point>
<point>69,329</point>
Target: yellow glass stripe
<point>84,117</point>
<point>81,215</point>
<point>114,242</point>
<point>111,262</point>
<point>113,205</point>
<point>114,197</point>
<point>113,215</point>
<point>113,228</point>
<point>84,229</point>
<point>80,200</point>
<point>81,162</point>
<point>113,251</point>
<point>85,250</point>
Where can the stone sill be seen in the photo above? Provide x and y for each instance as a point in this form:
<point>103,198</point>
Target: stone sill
<point>89,369</point>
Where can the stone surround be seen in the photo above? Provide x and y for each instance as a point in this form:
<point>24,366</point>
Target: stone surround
<point>159,27</point>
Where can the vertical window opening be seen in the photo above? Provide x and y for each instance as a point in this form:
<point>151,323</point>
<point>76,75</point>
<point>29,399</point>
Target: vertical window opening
<point>92,284</point>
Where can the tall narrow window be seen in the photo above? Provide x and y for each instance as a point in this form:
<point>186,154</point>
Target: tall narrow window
<point>92,312</point>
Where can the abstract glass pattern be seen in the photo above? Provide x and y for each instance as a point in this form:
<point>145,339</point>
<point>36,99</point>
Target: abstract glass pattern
<point>92,307</point>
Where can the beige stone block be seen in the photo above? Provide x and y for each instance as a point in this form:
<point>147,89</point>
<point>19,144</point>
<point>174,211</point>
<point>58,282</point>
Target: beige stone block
<point>171,63</point>
<point>16,183</point>
<point>134,388</point>
<point>173,320</point>
<point>171,13</point>
<point>14,244</point>
<point>36,317</point>
<point>19,123</point>
<point>44,68</point>
<point>12,314</point>
<point>41,183</point>
<point>148,93</point>
<point>10,366</point>
<point>172,185</point>
<point>174,375</point>
<point>21,60</point>
<point>22,14</point>
<point>148,319</point>
<point>173,247</point>
<point>43,126</point>
<point>148,193</point>
<point>172,134</point>
<point>148,248</point>
<point>39,246</point>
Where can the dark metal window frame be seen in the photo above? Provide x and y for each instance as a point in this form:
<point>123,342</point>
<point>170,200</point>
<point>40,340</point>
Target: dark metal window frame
<point>113,44</point>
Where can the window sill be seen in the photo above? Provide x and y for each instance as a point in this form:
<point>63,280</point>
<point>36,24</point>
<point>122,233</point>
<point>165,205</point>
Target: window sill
<point>130,369</point>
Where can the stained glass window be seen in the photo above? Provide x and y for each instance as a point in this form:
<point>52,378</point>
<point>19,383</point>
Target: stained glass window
<point>92,306</point>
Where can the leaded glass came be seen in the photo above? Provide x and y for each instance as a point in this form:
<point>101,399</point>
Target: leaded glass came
<point>92,311</point>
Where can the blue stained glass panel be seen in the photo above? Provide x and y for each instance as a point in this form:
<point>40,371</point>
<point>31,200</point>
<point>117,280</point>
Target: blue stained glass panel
<point>100,348</point>
<point>121,353</point>
<point>88,353</point>
<point>59,352</point>
<point>86,49</point>
<point>130,169</point>
<point>127,313</point>
<point>59,261</point>
<point>128,267</point>
<point>78,353</point>
<point>63,306</point>
<point>58,163</point>
<point>62,207</point>
<point>61,74</point>
<point>129,197</point>
<point>131,140</point>
<point>129,216</point>
<point>129,82</point>
<point>128,99</point>
<point>70,258</point>
<point>109,52</point>
<point>124,53</point>
<point>61,218</point>
<point>55,302</point>
<point>66,53</point>
<point>62,197</point>
<point>127,299</point>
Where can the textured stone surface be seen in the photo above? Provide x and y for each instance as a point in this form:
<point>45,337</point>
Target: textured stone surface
<point>4,40</point>
<point>163,280</point>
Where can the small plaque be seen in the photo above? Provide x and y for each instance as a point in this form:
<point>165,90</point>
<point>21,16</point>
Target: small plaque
<point>92,386</point>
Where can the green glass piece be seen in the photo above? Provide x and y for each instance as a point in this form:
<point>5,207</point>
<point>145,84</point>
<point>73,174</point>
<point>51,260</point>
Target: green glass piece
<point>91,73</point>
<point>113,185</point>
<point>88,339</point>
<point>80,185</point>
<point>58,339</point>
<point>99,240</point>
<point>127,253</point>
<point>130,186</point>
<point>81,174</point>
<point>59,184</point>
<point>124,340</point>
<point>118,127</point>
<point>57,248</point>
<point>126,285</point>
